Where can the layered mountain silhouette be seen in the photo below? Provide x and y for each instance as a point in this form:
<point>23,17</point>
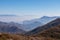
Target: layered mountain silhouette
<point>45,28</point>
<point>32,24</point>
<point>49,31</point>
<point>41,29</point>
<point>10,28</point>
<point>28,27</point>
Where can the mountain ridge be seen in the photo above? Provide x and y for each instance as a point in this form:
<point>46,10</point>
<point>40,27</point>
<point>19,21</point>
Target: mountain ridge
<point>10,28</point>
<point>32,24</point>
<point>44,27</point>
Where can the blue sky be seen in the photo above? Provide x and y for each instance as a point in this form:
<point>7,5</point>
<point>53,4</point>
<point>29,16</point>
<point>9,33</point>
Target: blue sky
<point>32,8</point>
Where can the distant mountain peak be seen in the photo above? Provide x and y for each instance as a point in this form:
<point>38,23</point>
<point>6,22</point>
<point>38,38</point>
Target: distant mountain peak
<point>45,16</point>
<point>45,27</point>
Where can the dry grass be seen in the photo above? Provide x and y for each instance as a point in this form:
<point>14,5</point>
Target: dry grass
<point>51,34</point>
<point>22,37</point>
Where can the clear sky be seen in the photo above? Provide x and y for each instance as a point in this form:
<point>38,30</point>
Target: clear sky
<point>35,8</point>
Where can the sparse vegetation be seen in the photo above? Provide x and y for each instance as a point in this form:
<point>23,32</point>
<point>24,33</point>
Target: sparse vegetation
<point>52,33</point>
<point>24,37</point>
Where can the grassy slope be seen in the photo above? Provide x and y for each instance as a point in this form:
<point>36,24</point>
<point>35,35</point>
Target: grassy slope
<point>50,34</point>
<point>17,37</point>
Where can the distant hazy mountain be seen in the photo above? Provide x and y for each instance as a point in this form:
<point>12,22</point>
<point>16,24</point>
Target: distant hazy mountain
<point>32,24</point>
<point>47,26</point>
<point>10,27</point>
<point>27,25</point>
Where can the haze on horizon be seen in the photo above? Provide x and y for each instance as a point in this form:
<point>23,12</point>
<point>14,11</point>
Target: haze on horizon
<point>29,9</point>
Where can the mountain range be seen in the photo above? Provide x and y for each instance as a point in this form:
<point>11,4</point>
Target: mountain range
<point>32,24</point>
<point>45,27</point>
<point>10,28</point>
<point>49,31</point>
<point>27,26</point>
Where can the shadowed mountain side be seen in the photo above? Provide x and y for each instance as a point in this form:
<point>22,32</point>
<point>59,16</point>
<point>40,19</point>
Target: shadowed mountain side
<point>38,30</point>
<point>34,23</point>
<point>52,32</point>
<point>10,28</point>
